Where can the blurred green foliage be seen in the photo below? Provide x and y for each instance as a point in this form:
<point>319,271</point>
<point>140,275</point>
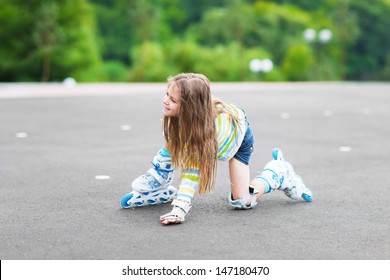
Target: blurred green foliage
<point>148,40</point>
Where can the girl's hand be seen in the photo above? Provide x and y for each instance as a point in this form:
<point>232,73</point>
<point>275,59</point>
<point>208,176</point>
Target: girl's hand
<point>170,220</point>
<point>179,211</point>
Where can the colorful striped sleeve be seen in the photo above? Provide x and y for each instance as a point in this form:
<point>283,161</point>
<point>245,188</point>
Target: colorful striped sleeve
<point>189,183</point>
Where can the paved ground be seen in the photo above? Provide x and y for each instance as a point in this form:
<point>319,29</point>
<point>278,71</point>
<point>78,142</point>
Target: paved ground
<point>54,141</point>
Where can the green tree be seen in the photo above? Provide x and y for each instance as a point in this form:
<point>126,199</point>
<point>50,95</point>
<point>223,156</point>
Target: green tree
<point>47,34</point>
<point>143,19</point>
<point>221,62</point>
<point>278,26</point>
<point>184,54</point>
<point>113,31</point>
<point>149,63</point>
<point>297,62</point>
<point>16,41</point>
<point>367,54</point>
<point>308,5</point>
<point>140,40</point>
<point>224,25</point>
<point>346,31</point>
<point>79,55</point>
<point>62,42</point>
<point>195,10</point>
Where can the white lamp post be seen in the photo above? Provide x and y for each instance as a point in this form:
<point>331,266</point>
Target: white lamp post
<point>317,39</point>
<point>256,65</point>
<point>309,35</point>
<point>324,35</point>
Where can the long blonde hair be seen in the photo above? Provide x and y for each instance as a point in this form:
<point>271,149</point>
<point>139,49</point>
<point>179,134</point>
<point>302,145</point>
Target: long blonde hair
<point>191,137</point>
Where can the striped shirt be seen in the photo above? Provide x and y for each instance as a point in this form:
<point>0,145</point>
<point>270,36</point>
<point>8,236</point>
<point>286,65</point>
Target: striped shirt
<point>229,138</point>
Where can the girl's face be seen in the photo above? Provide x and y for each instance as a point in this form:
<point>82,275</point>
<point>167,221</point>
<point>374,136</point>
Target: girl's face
<point>171,101</point>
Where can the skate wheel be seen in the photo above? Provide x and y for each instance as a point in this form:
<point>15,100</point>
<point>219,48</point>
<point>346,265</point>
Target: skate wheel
<point>152,201</point>
<point>307,197</point>
<point>125,199</point>
<point>171,191</point>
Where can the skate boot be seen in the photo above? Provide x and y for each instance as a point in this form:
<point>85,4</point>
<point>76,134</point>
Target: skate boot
<point>154,186</point>
<point>138,199</point>
<point>158,177</point>
<point>279,174</point>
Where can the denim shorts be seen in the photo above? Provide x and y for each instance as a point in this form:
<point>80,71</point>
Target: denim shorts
<point>244,152</point>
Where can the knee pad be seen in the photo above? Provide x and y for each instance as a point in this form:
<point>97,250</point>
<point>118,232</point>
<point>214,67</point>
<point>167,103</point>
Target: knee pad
<point>242,202</point>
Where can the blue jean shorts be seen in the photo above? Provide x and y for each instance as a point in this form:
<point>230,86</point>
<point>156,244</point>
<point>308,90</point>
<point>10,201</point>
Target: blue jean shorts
<point>244,152</point>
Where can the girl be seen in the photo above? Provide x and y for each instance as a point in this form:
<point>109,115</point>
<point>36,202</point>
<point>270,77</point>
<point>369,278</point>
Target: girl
<point>198,131</point>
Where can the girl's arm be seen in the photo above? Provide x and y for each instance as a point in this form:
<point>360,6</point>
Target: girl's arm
<point>182,204</point>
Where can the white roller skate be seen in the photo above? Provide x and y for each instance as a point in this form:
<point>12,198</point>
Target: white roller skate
<point>153,187</point>
<point>279,174</point>
<point>158,177</point>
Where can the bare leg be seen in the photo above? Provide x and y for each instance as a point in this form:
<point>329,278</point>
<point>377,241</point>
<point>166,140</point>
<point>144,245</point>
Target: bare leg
<point>259,187</point>
<point>239,180</point>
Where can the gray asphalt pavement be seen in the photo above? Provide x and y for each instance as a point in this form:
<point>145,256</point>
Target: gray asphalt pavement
<point>55,140</point>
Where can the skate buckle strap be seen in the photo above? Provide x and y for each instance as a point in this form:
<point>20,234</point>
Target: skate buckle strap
<point>157,169</point>
<point>162,166</point>
<point>162,163</point>
<point>155,173</point>
<point>183,205</point>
